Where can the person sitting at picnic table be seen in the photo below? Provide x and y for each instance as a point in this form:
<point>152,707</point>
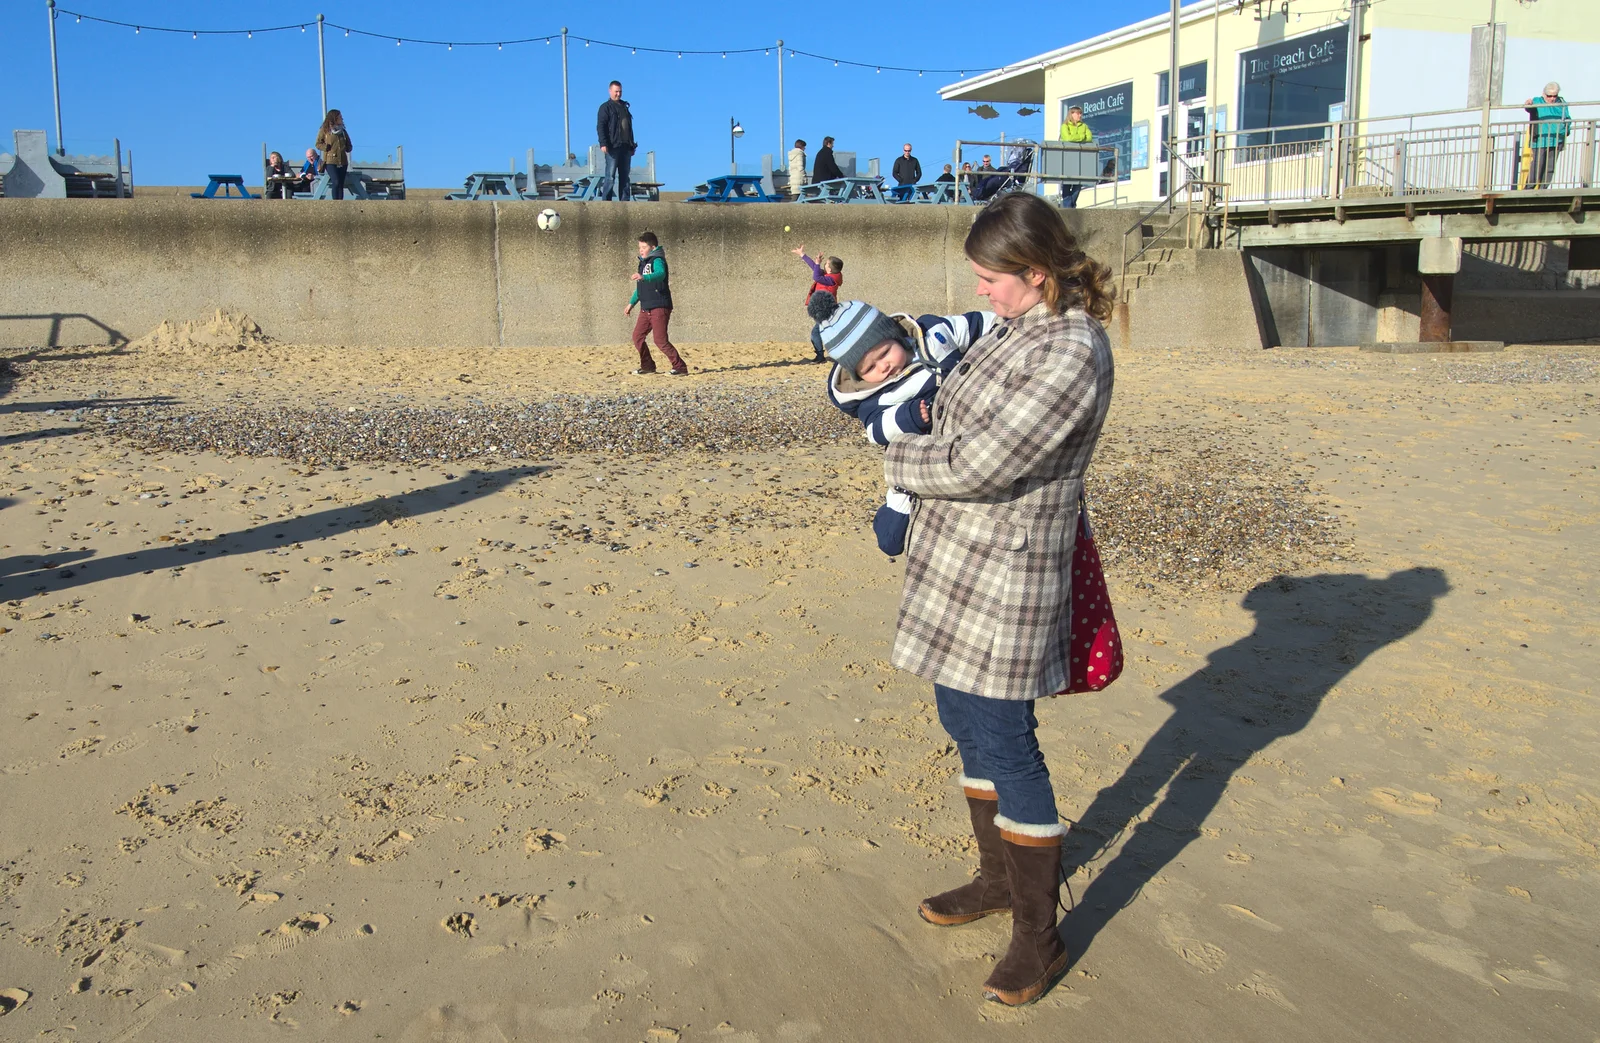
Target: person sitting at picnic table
<point>279,173</point>
<point>986,167</point>
<point>824,168</point>
<point>308,170</point>
<point>947,177</point>
<point>1552,122</point>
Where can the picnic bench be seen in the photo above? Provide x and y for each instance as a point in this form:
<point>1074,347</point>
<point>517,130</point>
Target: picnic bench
<point>941,192</point>
<point>486,184</point>
<point>844,190</point>
<point>733,188</point>
<point>224,182</point>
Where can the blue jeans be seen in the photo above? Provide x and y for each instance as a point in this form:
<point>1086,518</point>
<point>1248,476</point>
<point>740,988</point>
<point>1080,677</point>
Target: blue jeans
<point>336,179</point>
<point>996,740</point>
<point>1069,195</point>
<point>617,167</point>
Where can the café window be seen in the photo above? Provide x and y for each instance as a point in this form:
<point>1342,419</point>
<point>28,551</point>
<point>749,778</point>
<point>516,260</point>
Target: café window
<point>1291,82</point>
<point>1109,113</point>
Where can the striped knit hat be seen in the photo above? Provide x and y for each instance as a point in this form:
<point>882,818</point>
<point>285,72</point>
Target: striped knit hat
<point>854,328</point>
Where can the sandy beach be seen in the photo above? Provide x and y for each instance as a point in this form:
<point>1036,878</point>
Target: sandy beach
<point>482,695</point>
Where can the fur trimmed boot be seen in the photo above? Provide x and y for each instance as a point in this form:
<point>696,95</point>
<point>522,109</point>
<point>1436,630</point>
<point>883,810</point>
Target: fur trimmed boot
<point>990,891</point>
<point>1036,956</point>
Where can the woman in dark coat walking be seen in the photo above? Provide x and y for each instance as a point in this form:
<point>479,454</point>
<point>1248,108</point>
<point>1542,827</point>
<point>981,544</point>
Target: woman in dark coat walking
<point>986,611</point>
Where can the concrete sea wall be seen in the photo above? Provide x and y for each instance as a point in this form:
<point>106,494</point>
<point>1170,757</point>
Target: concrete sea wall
<point>435,273</point>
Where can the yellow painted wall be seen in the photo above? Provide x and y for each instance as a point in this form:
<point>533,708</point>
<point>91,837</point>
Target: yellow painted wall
<point>1143,60</point>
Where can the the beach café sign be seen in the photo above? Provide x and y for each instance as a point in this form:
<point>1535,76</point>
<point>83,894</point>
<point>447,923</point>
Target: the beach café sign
<point>1307,52</point>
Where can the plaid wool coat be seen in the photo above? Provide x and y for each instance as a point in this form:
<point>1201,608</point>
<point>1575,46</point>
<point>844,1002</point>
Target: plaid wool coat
<point>998,485</point>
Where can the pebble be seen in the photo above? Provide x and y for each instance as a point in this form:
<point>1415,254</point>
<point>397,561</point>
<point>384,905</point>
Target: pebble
<point>334,621</point>
<point>718,420</point>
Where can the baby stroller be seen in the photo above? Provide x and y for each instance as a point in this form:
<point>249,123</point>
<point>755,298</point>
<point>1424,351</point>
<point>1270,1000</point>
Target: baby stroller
<point>1010,175</point>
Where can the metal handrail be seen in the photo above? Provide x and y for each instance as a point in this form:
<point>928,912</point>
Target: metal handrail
<point>1188,224</point>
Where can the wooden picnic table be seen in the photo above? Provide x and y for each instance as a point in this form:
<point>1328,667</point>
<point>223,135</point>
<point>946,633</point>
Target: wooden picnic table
<point>487,184</point>
<point>844,190</point>
<point>733,188</point>
<point>224,182</point>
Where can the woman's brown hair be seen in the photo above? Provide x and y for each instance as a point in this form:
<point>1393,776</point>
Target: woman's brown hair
<point>333,116</point>
<point>1018,233</point>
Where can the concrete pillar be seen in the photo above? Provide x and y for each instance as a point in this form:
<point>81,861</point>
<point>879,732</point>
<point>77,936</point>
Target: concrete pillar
<point>1437,291</point>
<point>1438,261</point>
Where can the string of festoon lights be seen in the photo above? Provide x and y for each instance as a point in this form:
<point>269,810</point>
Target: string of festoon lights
<point>547,39</point>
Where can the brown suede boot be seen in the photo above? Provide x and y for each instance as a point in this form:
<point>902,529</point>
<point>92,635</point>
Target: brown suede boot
<point>1037,956</point>
<point>989,892</point>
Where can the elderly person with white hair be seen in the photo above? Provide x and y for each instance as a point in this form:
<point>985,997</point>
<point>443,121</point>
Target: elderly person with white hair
<point>1551,125</point>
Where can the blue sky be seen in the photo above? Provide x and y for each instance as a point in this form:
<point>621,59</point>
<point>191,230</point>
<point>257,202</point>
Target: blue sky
<point>189,107</point>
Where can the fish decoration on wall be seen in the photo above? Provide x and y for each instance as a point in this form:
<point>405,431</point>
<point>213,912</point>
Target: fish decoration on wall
<point>985,112</point>
<point>1028,110</point>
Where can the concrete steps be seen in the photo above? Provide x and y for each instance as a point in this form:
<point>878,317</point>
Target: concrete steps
<point>1164,260</point>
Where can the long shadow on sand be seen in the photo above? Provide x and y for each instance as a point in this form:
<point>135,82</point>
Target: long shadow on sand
<point>1310,633</point>
<point>49,577</point>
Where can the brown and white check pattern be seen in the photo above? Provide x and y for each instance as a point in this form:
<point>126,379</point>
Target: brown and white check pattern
<point>998,484</point>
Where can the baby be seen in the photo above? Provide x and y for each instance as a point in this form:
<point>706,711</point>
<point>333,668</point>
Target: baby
<point>886,371</point>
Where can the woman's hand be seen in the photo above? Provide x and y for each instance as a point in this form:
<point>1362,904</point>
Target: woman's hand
<point>927,414</point>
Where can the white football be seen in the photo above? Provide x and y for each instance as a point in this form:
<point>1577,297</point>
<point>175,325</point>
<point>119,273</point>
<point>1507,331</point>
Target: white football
<point>549,220</point>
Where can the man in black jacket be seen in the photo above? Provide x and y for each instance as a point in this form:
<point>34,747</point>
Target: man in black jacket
<point>825,169</point>
<point>907,173</point>
<point>614,128</point>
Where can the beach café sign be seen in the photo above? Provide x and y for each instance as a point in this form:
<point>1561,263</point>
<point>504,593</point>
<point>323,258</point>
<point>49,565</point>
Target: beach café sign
<point>1307,52</point>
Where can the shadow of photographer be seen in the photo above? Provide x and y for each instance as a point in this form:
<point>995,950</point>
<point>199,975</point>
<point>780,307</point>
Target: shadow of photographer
<point>1310,633</point>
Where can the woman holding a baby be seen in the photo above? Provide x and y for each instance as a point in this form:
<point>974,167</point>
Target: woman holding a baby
<point>997,486</point>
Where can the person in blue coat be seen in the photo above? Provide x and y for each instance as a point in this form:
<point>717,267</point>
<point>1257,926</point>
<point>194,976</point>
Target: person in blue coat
<point>1552,123</point>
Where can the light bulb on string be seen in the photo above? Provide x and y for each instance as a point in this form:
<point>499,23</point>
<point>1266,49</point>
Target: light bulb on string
<point>680,54</point>
<point>136,30</point>
<point>724,54</point>
<point>249,35</point>
<point>195,35</point>
<point>499,46</point>
<point>636,50</point>
<point>397,41</point>
<point>449,46</point>
<point>880,71</point>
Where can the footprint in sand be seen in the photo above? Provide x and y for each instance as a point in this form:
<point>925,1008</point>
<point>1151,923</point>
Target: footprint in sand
<point>1403,803</point>
<point>11,999</point>
<point>1264,985</point>
<point>293,931</point>
<point>1249,916</point>
<point>1177,933</point>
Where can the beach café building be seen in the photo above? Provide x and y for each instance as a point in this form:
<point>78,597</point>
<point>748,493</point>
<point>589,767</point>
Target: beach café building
<point>1255,66</point>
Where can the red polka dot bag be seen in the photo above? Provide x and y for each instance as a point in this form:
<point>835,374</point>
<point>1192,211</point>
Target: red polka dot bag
<point>1096,647</point>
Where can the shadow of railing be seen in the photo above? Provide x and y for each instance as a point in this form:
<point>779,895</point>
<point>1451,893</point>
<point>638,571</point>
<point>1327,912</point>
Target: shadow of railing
<point>114,337</point>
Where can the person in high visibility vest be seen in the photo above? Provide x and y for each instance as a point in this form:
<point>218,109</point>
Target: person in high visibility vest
<point>1074,130</point>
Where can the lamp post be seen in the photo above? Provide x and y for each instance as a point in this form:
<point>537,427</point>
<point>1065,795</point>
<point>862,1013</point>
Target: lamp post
<point>735,132</point>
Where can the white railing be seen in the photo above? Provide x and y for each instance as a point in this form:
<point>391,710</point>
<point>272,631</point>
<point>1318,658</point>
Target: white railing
<point>1405,156</point>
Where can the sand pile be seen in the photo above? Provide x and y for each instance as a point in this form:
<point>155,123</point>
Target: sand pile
<point>225,331</point>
